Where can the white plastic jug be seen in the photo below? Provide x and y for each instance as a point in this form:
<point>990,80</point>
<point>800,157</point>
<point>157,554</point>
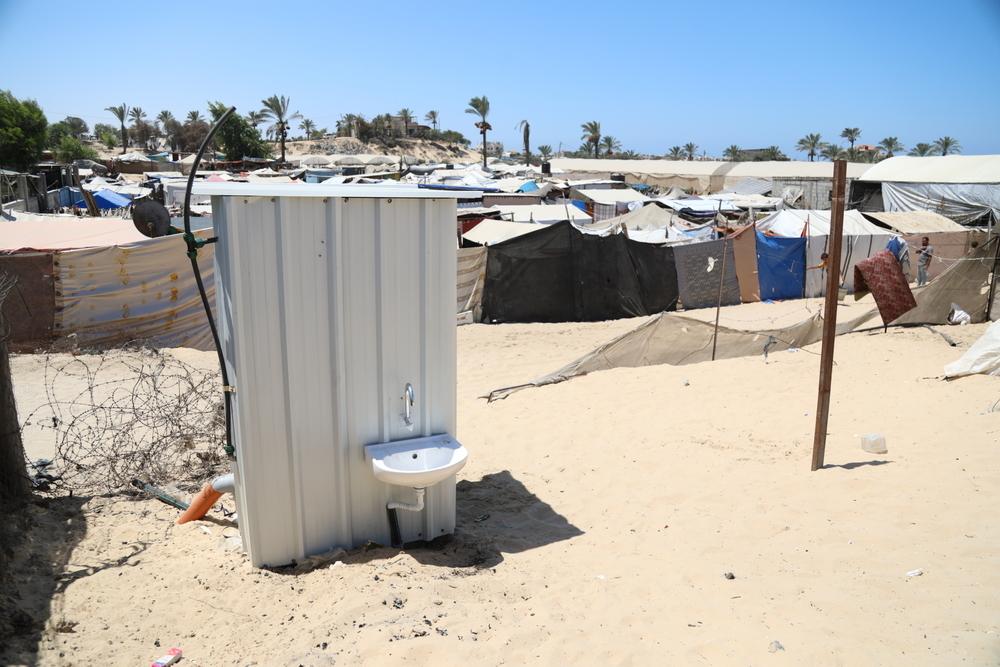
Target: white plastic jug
<point>874,443</point>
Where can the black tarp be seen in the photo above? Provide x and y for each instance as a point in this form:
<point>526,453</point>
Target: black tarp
<point>559,274</point>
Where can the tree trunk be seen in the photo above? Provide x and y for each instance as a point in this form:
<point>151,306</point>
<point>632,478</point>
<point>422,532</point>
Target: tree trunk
<point>484,147</point>
<point>13,476</point>
<point>124,139</point>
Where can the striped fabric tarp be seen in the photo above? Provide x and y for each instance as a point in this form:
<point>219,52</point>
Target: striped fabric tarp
<point>471,275</point>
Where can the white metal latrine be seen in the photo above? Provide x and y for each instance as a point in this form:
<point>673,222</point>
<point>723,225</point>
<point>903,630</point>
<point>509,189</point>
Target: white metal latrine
<point>330,300</point>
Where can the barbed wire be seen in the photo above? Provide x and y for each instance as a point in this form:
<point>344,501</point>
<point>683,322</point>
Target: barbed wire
<point>129,413</point>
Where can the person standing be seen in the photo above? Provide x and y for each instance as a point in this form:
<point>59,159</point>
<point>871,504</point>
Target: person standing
<point>924,256</point>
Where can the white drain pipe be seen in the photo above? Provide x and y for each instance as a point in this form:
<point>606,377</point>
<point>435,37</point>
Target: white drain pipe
<point>409,507</point>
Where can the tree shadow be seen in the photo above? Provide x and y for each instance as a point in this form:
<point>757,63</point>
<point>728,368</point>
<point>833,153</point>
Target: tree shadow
<point>855,464</point>
<point>37,539</point>
<point>495,515</point>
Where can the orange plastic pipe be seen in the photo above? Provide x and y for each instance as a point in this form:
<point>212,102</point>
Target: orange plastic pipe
<point>200,504</point>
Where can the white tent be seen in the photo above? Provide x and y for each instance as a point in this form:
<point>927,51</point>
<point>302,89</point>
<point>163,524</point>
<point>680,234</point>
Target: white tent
<point>862,239</point>
<point>697,205</point>
<point>964,188</point>
<point>490,231</point>
<point>545,214</point>
<point>983,357</point>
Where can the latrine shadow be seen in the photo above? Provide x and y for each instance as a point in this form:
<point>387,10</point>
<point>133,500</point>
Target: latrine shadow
<point>495,515</point>
<point>37,539</point>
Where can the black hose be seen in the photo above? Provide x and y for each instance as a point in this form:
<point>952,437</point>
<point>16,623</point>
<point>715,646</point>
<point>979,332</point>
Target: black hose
<point>193,244</point>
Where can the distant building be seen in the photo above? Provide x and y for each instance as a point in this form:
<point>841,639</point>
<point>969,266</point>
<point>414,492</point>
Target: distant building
<point>414,129</point>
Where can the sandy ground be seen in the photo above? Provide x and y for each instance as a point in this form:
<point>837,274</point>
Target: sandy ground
<point>597,519</point>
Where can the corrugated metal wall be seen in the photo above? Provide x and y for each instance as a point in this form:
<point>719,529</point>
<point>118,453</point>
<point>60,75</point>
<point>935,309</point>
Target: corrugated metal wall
<point>328,307</point>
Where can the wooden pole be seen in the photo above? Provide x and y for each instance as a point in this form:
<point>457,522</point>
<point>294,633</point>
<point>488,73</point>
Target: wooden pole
<point>830,312</point>
<point>993,283</point>
<point>718,303</point>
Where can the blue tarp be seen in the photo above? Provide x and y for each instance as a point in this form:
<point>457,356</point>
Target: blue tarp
<point>781,267</point>
<point>579,203</point>
<point>69,196</point>
<point>106,199</point>
<point>530,186</point>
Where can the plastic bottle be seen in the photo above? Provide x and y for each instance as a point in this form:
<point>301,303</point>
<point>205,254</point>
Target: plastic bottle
<point>874,443</point>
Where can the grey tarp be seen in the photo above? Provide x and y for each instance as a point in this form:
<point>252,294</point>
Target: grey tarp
<point>963,283</point>
<point>699,266</point>
<point>677,340</point>
<point>964,203</point>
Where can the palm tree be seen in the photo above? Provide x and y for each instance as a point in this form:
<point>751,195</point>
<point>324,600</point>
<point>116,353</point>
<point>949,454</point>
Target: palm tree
<point>164,117</point>
<point>121,112</point>
<point>480,106</point>
<point>255,118</point>
<point>277,109</point>
<point>676,153</point>
<point>891,146</point>
<point>137,115</point>
<point>308,127</point>
<point>406,115</point>
<point>851,134</point>
<point>810,144</point>
<point>831,151</point>
<point>525,128</point>
<point>194,117</point>
<point>733,153</point>
<point>545,151</point>
<point>432,118</point>
<point>169,124</point>
<point>946,145</point>
<point>610,145</point>
<point>591,135</point>
<point>774,153</point>
<point>216,109</point>
<point>922,150</point>
<point>690,149</point>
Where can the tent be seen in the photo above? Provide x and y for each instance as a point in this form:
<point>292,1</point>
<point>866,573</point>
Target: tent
<point>106,200</point>
<point>744,242</point>
<point>653,224</point>
<point>558,274</point>
<point>862,239</point>
<point>781,267</point>
<point>543,213</point>
<point>63,232</point>
<point>964,188</point>
<point>490,231</point>
<point>700,270</point>
<point>950,240</point>
<point>982,357</point>
<point>671,338</point>
<point>703,175</point>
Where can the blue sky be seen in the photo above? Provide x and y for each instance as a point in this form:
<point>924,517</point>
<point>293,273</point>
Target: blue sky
<point>655,74</point>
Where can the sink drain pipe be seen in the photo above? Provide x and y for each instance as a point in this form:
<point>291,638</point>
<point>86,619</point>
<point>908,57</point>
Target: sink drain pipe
<point>207,497</point>
<point>391,508</point>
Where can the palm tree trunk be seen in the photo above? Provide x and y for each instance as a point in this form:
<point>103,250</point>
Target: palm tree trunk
<point>281,136</point>
<point>484,147</point>
<point>124,139</point>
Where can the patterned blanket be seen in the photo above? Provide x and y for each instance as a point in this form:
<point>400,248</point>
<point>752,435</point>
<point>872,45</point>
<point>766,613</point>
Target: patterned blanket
<point>882,275</point>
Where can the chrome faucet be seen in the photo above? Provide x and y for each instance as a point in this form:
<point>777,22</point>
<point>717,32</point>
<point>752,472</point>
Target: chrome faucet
<point>408,400</point>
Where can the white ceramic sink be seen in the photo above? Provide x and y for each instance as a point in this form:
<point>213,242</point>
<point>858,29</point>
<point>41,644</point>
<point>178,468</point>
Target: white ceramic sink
<point>417,463</point>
